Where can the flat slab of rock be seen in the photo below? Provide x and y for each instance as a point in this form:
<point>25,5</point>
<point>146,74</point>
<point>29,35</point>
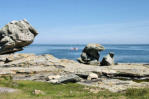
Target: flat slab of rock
<point>115,85</point>
<point>39,67</point>
<point>65,78</point>
<point>7,90</point>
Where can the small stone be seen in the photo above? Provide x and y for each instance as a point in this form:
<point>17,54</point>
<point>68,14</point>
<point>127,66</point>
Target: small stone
<point>38,92</point>
<point>92,76</point>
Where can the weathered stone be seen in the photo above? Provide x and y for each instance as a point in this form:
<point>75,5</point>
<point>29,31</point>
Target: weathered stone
<point>53,77</point>
<point>116,85</point>
<point>90,54</point>
<point>25,60</point>
<point>38,92</point>
<point>50,69</point>
<point>65,78</point>
<point>7,90</point>
<point>15,35</point>
<point>92,76</point>
<point>108,60</point>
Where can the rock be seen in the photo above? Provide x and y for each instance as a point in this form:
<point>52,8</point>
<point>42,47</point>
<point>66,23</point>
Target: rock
<point>7,90</point>
<point>92,76</point>
<point>90,54</point>
<point>69,78</point>
<point>16,35</point>
<point>64,78</point>
<point>53,77</point>
<point>115,85</point>
<point>38,92</point>
<point>108,60</point>
<point>25,60</point>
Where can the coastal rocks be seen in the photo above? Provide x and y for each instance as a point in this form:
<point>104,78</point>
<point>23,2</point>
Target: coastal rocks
<point>108,60</point>
<point>25,60</point>
<point>16,35</point>
<point>90,54</point>
<point>47,68</point>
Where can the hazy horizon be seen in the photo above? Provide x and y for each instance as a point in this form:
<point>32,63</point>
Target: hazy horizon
<point>82,21</point>
<point>85,43</point>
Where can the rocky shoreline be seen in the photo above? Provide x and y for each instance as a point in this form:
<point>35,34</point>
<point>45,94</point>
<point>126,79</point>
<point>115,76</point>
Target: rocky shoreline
<point>50,69</point>
<point>47,68</point>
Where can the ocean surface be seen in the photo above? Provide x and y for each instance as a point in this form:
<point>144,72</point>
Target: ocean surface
<point>123,53</point>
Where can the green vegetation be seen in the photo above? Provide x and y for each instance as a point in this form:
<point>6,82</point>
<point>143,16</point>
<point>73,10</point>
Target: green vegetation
<point>64,91</point>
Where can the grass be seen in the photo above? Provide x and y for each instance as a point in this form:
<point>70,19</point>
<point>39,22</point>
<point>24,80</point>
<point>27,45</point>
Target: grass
<point>64,91</point>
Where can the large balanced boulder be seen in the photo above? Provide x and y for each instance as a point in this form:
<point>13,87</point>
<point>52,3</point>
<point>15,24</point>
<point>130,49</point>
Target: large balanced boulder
<point>90,54</point>
<point>108,60</point>
<point>15,35</point>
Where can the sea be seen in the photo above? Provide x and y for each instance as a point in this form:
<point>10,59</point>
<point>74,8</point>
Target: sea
<point>124,53</point>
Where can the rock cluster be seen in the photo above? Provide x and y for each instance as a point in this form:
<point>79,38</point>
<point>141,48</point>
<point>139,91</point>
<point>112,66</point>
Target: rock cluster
<point>90,54</point>
<point>15,35</point>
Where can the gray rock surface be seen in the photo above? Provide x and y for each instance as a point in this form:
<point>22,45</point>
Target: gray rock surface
<point>7,90</point>
<point>90,54</point>
<point>15,35</point>
<point>68,78</point>
<point>115,85</point>
<point>108,60</point>
<point>40,67</point>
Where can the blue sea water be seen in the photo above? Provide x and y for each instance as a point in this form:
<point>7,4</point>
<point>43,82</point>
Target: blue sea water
<point>123,53</point>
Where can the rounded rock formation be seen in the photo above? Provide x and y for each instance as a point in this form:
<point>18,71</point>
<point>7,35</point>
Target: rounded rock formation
<point>15,35</point>
<point>90,54</point>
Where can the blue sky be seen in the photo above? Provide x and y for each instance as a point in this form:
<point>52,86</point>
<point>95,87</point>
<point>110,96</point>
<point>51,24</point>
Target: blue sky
<point>82,21</point>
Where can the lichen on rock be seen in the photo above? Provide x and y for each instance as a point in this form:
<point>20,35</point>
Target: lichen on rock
<point>16,35</point>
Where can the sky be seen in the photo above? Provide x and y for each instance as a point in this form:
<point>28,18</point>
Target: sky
<point>82,21</point>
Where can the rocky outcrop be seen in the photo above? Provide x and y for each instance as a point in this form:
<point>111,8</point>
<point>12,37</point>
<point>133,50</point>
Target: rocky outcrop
<point>47,68</point>
<point>16,35</point>
<point>108,60</point>
<point>90,54</point>
<point>115,85</point>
